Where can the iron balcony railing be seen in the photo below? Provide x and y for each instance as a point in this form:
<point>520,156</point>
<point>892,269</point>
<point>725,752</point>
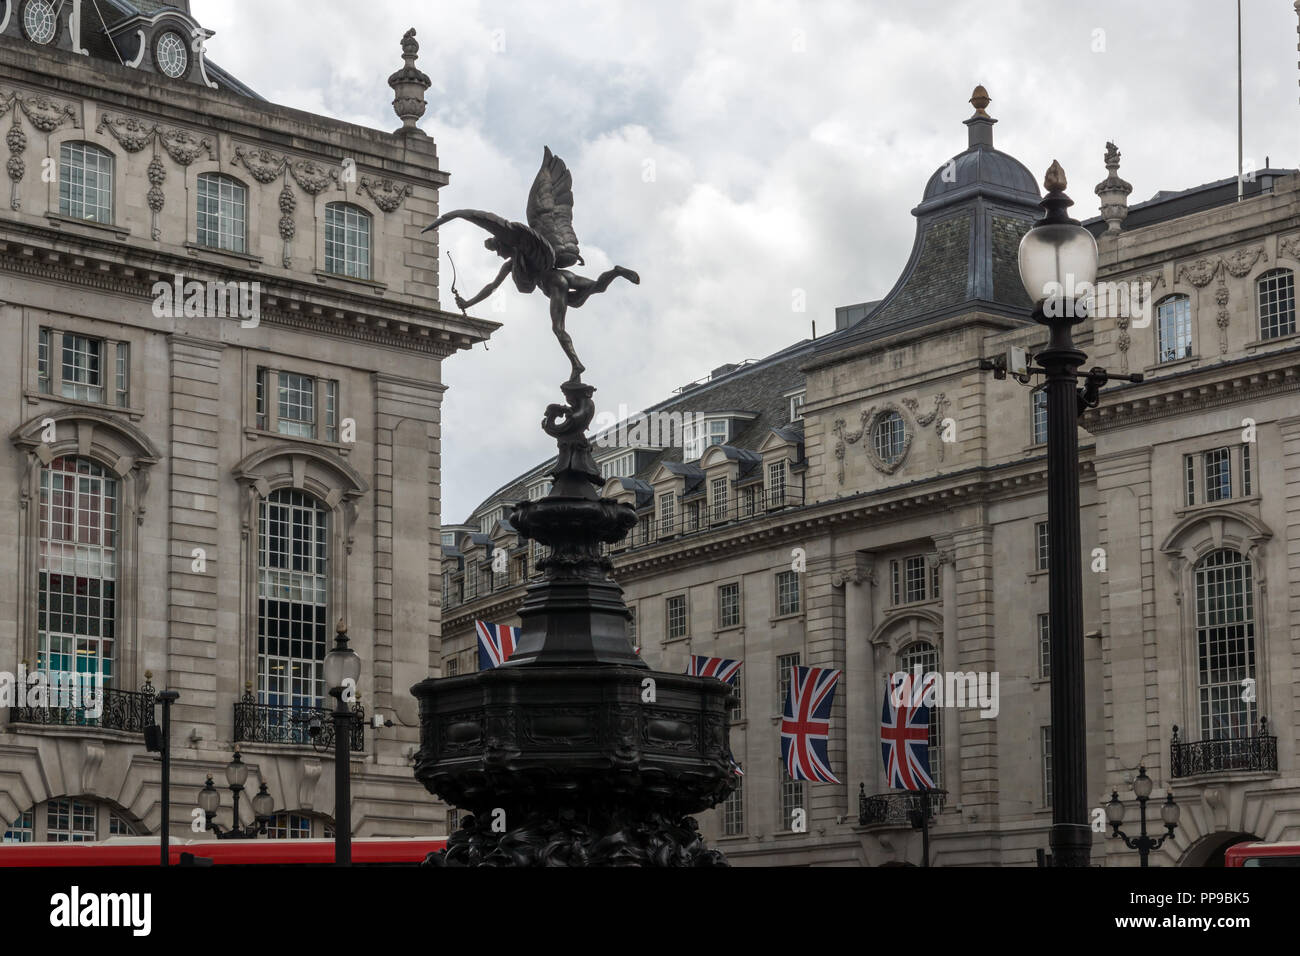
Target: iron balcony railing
<point>1226,754</point>
<point>899,808</point>
<point>285,724</point>
<point>129,710</point>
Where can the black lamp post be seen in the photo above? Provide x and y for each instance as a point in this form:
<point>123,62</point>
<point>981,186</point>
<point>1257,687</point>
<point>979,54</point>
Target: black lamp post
<point>342,670</point>
<point>1169,814</point>
<point>1058,266</point>
<point>210,800</point>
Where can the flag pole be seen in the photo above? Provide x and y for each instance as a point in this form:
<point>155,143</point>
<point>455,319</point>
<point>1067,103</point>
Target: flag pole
<point>1240,166</point>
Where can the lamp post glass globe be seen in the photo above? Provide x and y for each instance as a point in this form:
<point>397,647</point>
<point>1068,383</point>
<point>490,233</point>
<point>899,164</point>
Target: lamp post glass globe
<point>341,664</point>
<point>236,771</point>
<point>1057,259</point>
<point>1143,784</point>
<point>1170,811</point>
<point>209,797</point>
<point>1114,809</point>
<point>263,805</point>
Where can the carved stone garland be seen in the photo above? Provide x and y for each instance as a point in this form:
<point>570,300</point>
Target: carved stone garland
<point>45,114</point>
<point>312,178</point>
<point>867,422</point>
<point>1122,322</point>
<point>1237,264</point>
<point>1289,247</point>
<point>181,145</point>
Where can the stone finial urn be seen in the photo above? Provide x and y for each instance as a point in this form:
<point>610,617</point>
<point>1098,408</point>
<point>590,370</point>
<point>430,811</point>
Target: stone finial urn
<point>1113,192</point>
<point>409,85</point>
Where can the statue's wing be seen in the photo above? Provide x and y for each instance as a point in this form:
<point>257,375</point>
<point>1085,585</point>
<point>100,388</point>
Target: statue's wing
<point>484,220</point>
<point>550,209</point>
<point>512,235</point>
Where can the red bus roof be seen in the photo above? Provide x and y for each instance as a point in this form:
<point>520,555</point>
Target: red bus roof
<point>144,851</point>
<point>1237,855</point>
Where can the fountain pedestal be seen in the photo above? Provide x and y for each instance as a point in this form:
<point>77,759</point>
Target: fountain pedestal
<point>573,752</point>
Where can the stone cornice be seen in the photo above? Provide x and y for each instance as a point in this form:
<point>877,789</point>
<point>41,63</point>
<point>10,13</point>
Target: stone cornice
<point>286,302</point>
<point>1196,390</point>
<point>117,88</point>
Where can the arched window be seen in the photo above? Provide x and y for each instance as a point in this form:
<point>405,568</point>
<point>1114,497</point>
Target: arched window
<point>1225,644</point>
<point>222,213</point>
<point>1174,328</point>
<point>69,820</point>
<point>86,182</point>
<point>299,826</point>
<point>1276,303</point>
<point>77,571</point>
<point>923,656</point>
<point>292,601</point>
<point>347,240</point>
<point>890,435</point>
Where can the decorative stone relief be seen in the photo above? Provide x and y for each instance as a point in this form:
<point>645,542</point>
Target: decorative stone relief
<point>1237,264</point>
<point>387,194</point>
<point>135,134</point>
<point>264,165</point>
<point>288,202</point>
<point>1289,247</point>
<point>45,114</point>
<point>1140,283</point>
<point>935,416</point>
<point>844,438</point>
<point>311,177</point>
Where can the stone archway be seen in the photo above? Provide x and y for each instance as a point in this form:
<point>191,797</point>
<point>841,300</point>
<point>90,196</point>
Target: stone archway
<point>1208,851</point>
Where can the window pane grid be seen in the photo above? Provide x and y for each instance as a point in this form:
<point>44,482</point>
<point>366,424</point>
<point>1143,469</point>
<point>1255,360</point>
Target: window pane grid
<point>1225,629</point>
<point>221,213</point>
<point>297,405</point>
<point>1276,303</point>
<point>676,613</point>
<point>923,656</point>
<point>293,544</point>
<point>1218,475</point>
<point>76,590</point>
<point>1174,328</point>
<point>787,592</point>
<point>86,182</point>
<point>347,241</point>
<point>70,821</point>
<point>729,605</point>
<point>889,437</point>
<point>82,368</point>
<point>733,811</point>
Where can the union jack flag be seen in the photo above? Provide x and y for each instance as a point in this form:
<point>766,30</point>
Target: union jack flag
<point>905,733</point>
<point>719,667</point>
<point>806,723</point>
<point>496,642</point>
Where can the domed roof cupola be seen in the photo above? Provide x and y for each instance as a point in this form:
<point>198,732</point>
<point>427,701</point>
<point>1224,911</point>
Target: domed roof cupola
<point>969,223</point>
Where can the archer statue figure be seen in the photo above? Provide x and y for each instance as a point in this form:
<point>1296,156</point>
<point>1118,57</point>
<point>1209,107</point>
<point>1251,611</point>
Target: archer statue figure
<point>538,255</point>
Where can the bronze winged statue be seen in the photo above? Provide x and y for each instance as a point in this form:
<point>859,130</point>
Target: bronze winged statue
<point>538,255</point>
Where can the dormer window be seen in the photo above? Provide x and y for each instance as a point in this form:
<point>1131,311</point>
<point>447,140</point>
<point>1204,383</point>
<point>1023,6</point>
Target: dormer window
<point>699,436</point>
<point>796,406</point>
<point>489,520</point>
<point>539,490</point>
<point>620,466</point>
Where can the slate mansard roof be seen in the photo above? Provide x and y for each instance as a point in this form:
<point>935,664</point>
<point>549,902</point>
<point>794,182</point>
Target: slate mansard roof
<point>756,393</point>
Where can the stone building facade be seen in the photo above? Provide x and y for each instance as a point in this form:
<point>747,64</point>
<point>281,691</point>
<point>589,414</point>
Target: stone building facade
<point>873,502</point>
<point>223,423</point>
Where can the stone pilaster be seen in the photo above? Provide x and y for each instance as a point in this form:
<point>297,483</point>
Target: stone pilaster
<point>193,507</point>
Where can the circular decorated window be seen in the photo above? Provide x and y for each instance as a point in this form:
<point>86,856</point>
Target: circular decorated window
<point>171,55</point>
<point>889,437</point>
<point>39,22</point>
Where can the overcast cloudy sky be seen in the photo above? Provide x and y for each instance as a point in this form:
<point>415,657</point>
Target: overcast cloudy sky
<point>735,152</point>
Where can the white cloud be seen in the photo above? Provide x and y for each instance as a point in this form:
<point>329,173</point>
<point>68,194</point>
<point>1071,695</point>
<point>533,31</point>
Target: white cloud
<point>789,142</point>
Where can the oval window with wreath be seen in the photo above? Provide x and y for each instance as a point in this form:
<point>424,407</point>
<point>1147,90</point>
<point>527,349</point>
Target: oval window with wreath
<point>890,440</point>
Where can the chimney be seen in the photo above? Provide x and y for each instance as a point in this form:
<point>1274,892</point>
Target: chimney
<point>980,126</point>
<point>1113,192</point>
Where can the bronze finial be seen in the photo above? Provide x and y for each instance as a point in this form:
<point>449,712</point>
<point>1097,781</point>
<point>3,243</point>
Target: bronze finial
<point>1055,179</point>
<point>341,627</point>
<point>980,99</point>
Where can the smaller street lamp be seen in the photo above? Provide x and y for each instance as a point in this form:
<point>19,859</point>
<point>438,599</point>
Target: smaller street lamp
<point>1169,814</point>
<point>210,801</point>
<point>342,671</point>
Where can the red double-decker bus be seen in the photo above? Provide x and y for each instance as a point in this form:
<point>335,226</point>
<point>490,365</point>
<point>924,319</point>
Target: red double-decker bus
<point>1262,854</point>
<point>144,851</point>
